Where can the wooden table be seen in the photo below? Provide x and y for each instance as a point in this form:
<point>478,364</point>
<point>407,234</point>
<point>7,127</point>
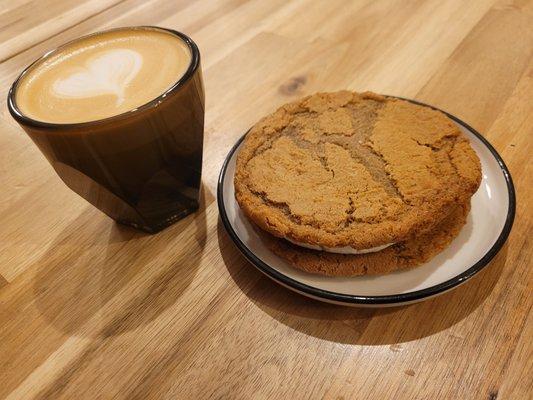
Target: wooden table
<point>92,310</point>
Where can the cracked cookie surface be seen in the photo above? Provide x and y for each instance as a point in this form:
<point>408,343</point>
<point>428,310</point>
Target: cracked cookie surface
<point>349,169</point>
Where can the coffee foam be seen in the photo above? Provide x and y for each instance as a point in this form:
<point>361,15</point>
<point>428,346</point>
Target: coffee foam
<point>107,73</point>
<point>103,75</point>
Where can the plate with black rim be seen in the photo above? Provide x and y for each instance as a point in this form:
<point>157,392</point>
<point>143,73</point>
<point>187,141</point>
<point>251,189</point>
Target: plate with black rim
<point>488,225</point>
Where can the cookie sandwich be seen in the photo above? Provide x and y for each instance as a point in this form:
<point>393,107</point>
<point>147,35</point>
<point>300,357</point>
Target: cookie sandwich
<point>352,183</point>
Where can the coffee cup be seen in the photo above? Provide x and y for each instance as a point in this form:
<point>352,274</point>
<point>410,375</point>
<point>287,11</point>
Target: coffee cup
<point>119,115</point>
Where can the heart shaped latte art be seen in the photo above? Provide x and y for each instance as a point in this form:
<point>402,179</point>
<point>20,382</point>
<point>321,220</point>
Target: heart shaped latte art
<point>106,73</point>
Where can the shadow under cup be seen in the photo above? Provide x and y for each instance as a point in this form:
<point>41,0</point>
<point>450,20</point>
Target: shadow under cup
<point>143,167</point>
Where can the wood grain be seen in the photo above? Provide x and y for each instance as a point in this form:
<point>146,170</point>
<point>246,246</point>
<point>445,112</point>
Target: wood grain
<point>90,309</point>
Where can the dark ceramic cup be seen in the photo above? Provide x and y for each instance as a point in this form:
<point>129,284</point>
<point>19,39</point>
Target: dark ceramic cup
<point>143,167</point>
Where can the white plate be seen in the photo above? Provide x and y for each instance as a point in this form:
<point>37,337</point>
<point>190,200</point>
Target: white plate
<point>487,228</point>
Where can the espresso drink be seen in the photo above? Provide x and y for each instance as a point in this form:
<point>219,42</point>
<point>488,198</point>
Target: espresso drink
<point>102,76</point>
<point>119,115</point>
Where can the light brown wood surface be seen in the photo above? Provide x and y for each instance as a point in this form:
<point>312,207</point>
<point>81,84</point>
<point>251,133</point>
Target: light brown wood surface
<point>92,310</point>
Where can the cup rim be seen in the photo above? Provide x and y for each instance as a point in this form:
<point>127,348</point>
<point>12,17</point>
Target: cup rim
<point>23,119</point>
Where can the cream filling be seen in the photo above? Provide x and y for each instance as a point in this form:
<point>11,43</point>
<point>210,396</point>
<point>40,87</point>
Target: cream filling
<point>341,250</point>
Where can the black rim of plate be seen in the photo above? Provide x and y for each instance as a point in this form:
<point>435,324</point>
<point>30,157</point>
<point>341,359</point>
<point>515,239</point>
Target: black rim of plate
<point>387,299</point>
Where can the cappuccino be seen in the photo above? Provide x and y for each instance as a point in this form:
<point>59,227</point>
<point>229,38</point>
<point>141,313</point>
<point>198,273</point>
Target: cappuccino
<point>102,75</point>
<point>120,117</point>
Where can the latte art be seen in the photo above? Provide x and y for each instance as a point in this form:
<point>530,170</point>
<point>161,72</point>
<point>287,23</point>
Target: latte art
<point>103,75</point>
<point>108,73</point>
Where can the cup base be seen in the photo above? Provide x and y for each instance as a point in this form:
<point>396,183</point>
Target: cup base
<point>159,226</point>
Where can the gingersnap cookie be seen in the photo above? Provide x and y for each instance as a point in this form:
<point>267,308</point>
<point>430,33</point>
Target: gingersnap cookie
<point>399,256</point>
<point>353,172</point>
